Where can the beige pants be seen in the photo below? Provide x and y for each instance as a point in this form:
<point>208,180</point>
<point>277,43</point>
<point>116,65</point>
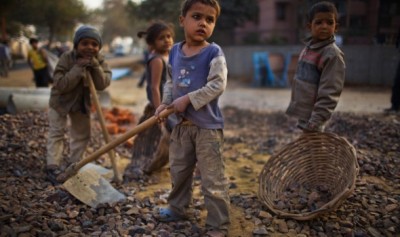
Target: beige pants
<point>79,136</point>
<point>189,145</point>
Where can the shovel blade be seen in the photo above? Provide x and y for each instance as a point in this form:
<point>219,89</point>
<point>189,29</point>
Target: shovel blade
<point>104,172</point>
<point>91,188</point>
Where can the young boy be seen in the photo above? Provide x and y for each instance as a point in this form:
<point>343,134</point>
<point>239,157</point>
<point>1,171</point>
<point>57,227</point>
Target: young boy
<point>320,73</point>
<point>37,60</point>
<point>198,77</point>
<point>70,96</point>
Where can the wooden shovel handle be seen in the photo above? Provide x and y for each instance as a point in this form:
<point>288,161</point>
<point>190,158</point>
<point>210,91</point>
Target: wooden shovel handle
<point>103,126</point>
<point>74,168</point>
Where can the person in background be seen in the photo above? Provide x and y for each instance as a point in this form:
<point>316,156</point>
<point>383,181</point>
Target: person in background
<point>70,98</point>
<point>395,98</point>
<point>146,54</point>
<point>5,58</point>
<point>320,73</point>
<point>150,149</point>
<point>37,60</point>
<point>198,77</point>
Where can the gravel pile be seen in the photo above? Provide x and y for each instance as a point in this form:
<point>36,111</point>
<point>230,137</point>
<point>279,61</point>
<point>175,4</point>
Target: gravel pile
<point>32,206</point>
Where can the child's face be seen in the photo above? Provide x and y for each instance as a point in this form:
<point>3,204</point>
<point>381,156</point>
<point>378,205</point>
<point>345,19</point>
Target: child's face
<point>163,42</point>
<point>88,48</point>
<point>199,22</point>
<point>323,26</point>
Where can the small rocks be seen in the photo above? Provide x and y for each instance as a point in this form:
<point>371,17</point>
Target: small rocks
<point>370,206</point>
<point>391,207</point>
<point>56,225</point>
<point>260,231</point>
<point>303,198</point>
<point>32,206</point>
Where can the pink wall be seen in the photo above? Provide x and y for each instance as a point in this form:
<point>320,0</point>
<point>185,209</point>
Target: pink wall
<point>269,26</point>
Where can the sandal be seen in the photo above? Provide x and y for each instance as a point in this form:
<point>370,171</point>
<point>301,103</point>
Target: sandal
<point>167,215</point>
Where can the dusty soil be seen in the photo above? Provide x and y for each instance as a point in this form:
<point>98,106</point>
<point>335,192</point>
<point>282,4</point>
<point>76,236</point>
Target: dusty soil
<point>125,93</point>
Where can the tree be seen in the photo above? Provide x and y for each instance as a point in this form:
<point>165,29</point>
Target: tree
<point>168,11</point>
<point>118,20</point>
<point>57,17</point>
<point>160,9</point>
<point>7,6</point>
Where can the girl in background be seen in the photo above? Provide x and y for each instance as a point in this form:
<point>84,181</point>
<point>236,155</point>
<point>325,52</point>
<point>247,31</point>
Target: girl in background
<point>150,149</point>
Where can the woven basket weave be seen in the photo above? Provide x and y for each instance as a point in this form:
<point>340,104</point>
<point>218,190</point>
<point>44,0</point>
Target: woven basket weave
<point>313,159</point>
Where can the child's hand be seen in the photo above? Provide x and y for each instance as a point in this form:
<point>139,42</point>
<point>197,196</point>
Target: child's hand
<point>94,62</point>
<point>311,128</point>
<point>180,104</point>
<point>83,62</point>
<point>158,111</point>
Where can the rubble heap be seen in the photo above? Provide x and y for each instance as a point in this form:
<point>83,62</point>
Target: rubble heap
<point>32,206</point>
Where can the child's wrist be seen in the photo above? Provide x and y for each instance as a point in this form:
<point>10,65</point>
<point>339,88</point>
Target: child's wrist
<point>313,127</point>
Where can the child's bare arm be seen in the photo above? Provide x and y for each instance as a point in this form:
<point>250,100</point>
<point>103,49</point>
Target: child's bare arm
<point>180,104</point>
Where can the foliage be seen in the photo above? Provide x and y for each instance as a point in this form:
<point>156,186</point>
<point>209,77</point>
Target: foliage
<point>120,19</point>
<point>6,10</point>
<point>168,11</point>
<point>58,17</point>
<point>160,9</point>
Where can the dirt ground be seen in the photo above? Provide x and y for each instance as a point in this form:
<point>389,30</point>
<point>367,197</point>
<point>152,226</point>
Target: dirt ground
<point>242,95</point>
<point>125,93</point>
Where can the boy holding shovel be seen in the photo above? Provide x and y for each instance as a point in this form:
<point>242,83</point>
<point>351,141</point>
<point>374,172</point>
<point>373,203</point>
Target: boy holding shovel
<point>70,96</point>
<point>198,76</point>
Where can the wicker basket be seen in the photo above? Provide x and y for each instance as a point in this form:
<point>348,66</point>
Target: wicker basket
<point>313,159</point>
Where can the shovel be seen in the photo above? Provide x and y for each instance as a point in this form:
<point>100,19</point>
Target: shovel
<point>117,178</point>
<point>89,187</point>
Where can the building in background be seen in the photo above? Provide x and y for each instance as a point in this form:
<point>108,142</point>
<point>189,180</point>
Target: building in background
<point>361,22</point>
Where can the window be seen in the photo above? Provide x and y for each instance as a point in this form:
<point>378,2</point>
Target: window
<point>281,11</point>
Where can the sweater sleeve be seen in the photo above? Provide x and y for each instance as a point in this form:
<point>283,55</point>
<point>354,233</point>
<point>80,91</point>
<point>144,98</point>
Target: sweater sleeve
<point>330,87</point>
<point>216,84</point>
<point>101,73</point>
<point>66,78</point>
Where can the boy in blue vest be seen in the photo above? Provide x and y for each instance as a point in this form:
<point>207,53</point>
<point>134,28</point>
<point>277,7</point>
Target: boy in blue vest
<point>198,77</point>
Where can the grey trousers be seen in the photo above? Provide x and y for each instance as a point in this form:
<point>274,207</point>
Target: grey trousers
<point>190,145</point>
<point>79,130</point>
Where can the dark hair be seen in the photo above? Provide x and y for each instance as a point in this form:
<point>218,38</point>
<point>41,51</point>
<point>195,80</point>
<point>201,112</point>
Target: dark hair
<point>187,4</point>
<point>154,30</point>
<point>33,40</point>
<point>324,6</point>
